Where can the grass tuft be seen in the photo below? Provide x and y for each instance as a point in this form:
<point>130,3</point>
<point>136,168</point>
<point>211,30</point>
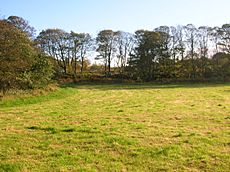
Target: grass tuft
<point>9,167</point>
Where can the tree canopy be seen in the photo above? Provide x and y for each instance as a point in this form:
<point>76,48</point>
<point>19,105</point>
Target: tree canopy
<point>166,53</point>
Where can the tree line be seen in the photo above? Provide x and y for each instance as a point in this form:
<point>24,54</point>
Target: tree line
<point>166,53</point>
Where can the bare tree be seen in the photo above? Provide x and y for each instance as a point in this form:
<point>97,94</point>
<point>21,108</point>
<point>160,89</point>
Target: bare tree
<point>55,43</point>
<point>124,43</point>
<point>21,24</point>
<point>224,42</point>
<point>106,48</point>
<point>191,34</point>
<point>203,41</point>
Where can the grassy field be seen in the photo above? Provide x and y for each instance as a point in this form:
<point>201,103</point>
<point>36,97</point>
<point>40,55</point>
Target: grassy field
<point>118,128</point>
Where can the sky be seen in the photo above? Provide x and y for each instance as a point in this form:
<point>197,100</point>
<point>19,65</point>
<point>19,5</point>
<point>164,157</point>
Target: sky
<point>91,16</point>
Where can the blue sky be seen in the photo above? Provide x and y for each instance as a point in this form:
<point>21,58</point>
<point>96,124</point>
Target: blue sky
<point>129,15</point>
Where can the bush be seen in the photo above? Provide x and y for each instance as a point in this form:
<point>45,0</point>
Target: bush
<point>21,65</point>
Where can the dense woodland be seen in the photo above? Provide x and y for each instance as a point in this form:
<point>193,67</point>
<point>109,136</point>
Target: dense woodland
<point>166,54</point>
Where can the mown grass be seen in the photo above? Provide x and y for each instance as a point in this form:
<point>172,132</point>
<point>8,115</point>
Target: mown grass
<point>140,127</point>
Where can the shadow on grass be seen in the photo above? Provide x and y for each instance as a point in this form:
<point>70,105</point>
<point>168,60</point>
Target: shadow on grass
<point>140,86</point>
<point>51,130</point>
<point>47,129</point>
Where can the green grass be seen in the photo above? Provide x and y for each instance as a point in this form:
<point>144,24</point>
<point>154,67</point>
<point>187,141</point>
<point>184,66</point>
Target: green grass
<point>22,101</point>
<point>139,127</point>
